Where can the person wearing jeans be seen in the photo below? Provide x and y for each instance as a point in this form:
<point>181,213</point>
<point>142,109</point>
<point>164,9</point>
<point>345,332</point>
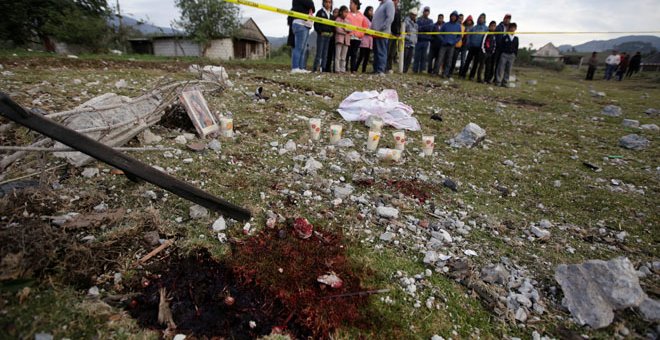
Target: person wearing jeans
<point>323,36</point>
<point>612,62</point>
<point>383,18</point>
<point>448,45</point>
<point>300,29</point>
<point>410,39</point>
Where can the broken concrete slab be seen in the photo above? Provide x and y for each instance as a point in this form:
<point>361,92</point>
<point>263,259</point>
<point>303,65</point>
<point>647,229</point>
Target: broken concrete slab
<point>594,289</point>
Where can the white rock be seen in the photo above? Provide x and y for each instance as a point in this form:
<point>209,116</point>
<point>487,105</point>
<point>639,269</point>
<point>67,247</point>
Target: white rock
<point>214,145</point>
<point>631,123</point>
<point>219,224</point>
<point>121,84</point>
<point>343,192</point>
<point>650,127</point>
<point>353,156</point>
<point>470,252</point>
<point>386,236</point>
<point>90,172</point>
<point>290,146</point>
<point>387,212</point>
<point>437,337</point>
<point>189,136</point>
<point>43,336</point>
<point>612,111</point>
<point>540,233</point>
<point>634,142</point>
<point>150,194</point>
<point>312,165</point>
<point>94,292</point>
<point>187,160</point>
<point>430,257</point>
<point>149,137</point>
<point>471,135</point>
<point>197,212</point>
<point>180,139</point>
<point>545,224</point>
<point>101,207</point>
<point>179,337</point>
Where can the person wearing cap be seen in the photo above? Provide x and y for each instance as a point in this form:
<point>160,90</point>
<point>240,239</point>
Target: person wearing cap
<point>393,46</point>
<point>461,44</point>
<point>611,63</point>
<point>411,38</point>
<point>502,27</point>
<point>434,50</point>
<point>474,47</point>
<point>509,50</point>
<point>383,18</point>
<point>448,44</point>
<point>355,18</point>
<point>424,25</point>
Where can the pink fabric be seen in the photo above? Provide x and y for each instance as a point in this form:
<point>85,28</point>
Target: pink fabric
<point>341,36</point>
<point>358,19</point>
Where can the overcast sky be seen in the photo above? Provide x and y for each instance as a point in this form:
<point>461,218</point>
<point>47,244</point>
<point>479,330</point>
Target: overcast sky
<point>555,15</point>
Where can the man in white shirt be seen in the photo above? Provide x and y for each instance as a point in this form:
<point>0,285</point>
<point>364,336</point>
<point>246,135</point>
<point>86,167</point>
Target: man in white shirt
<point>612,62</point>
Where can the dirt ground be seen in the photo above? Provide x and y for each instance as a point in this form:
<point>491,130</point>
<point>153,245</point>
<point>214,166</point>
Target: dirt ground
<point>550,159</point>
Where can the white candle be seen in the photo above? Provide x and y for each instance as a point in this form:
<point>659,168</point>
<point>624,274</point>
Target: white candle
<point>376,125</point>
<point>315,128</point>
<point>227,127</point>
<point>399,140</point>
<point>428,143</point>
<point>335,133</point>
<point>372,141</point>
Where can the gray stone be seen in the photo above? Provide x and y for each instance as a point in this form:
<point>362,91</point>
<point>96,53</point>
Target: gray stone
<point>343,192</point>
<point>387,212</point>
<point>545,224</point>
<point>290,146</point>
<point>43,336</point>
<point>650,127</point>
<point>345,143</point>
<point>312,165</point>
<point>612,111</point>
<point>152,238</point>
<point>521,314</point>
<point>540,233</point>
<point>214,145</point>
<point>634,142</point>
<point>180,139</point>
<point>353,156</point>
<point>197,212</point>
<point>631,123</point>
<point>387,237</point>
<point>101,207</point>
<point>148,137</point>
<point>532,82</point>
<point>650,309</point>
<point>495,274</point>
<point>470,137</point>
<point>90,172</point>
<point>94,292</point>
<point>219,224</point>
<point>437,337</point>
<point>593,289</point>
<point>652,112</point>
<point>430,257</point>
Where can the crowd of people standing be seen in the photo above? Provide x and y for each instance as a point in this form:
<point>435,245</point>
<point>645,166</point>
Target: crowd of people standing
<point>483,54</point>
<point>617,65</point>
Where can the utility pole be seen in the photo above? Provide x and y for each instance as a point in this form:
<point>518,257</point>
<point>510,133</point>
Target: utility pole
<point>120,32</point>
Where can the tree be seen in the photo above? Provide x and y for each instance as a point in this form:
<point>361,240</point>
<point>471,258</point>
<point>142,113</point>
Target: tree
<point>204,20</point>
<point>37,21</point>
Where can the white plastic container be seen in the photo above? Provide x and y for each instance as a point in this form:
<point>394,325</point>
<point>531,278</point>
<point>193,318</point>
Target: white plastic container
<point>399,140</point>
<point>372,141</point>
<point>389,154</point>
<point>428,143</point>
<point>315,128</point>
<point>335,133</point>
<point>377,125</point>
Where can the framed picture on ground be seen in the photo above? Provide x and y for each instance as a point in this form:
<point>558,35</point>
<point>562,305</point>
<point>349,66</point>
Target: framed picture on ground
<point>198,110</point>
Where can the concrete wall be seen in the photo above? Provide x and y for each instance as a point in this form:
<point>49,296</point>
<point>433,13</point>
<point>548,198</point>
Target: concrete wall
<point>176,48</point>
<point>222,49</point>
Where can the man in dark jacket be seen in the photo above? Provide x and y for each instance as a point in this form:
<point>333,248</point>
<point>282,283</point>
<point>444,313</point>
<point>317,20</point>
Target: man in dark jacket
<point>434,50</point>
<point>393,46</point>
<point>593,63</point>
<point>635,64</point>
<point>488,47</point>
<point>424,24</point>
<point>509,50</point>
<point>502,27</point>
<point>323,36</point>
<point>448,44</point>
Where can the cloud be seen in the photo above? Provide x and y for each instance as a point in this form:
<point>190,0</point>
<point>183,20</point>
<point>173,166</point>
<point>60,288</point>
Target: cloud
<point>539,16</point>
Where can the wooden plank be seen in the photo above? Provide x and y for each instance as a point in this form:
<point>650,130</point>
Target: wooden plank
<point>129,165</point>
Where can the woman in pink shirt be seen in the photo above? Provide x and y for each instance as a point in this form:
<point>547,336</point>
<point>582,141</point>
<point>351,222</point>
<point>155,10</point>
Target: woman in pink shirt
<point>342,41</point>
<point>367,43</point>
<point>355,18</point>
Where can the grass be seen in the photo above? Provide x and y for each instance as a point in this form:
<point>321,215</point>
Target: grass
<point>539,130</point>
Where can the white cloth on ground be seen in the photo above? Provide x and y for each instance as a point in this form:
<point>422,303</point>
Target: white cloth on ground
<point>360,105</point>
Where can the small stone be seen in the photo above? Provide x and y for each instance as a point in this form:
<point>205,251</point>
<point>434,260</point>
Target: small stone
<point>150,194</point>
<point>495,274</point>
<point>541,233</point>
<point>353,156</point>
<point>557,184</point>
<point>94,292</point>
<point>631,123</point>
<point>168,154</point>
<point>612,111</point>
<point>470,252</point>
<point>621,236</point>
<point>197,212</point>
<point>290,146</point>
<point>345,143</point>
<point>101,207</point>
<point>437,337</point>
<point>650,309</point>
<point>470,137</point>
<point>634,142</point>
<point>509,163</point>
<point>545,224</point>
<point>117,278</point>
<point>650,127</point>
<point>90,172</point>
<point>121,84</point>
<point>430,257</point>
<point>43,336</point>
<point>521,314</point>
<point>312,165</point>
<point>219,224</point>
<point>180,139</point>
<point>387,212</point>
<point>214,145</point>
<point>187,160</point>
<point>148,137</point>
<point>386,237</point>
<point>450,184</point>
<point>343,192</point>
<point>152,238</point>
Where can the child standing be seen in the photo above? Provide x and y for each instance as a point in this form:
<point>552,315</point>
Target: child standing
<point>509,50</point>
<point>342,41</point>
<point>488,47</point>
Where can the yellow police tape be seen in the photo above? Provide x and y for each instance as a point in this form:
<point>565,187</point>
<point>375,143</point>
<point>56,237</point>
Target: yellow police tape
<point>374,33</point>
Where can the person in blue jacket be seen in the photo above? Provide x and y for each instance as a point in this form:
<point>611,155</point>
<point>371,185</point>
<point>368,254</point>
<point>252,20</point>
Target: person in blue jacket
<point>424,24</point>
<point>502,27</point>
<point>474,47</point>
<point>448,44</point>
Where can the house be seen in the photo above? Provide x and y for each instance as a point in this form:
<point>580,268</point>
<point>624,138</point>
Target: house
<point>248,43</point>
<point>548,53</point>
